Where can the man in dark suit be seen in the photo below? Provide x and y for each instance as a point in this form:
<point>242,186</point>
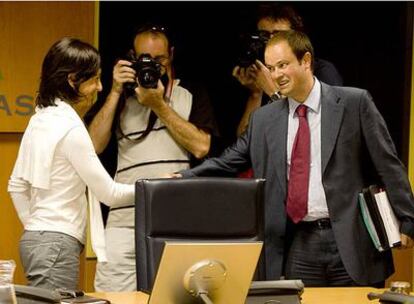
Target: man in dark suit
<point>312,148</point>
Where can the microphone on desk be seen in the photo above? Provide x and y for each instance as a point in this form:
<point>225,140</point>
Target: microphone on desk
<point>391,297</point>
<point>204,278</point>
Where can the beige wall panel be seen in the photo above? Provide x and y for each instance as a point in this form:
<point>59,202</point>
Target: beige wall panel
<point>27,30</point>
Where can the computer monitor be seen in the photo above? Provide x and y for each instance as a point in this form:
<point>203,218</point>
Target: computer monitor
<point>222,271</point>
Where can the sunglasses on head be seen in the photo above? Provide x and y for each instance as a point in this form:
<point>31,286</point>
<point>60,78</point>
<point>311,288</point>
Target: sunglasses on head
<point>152,28</point>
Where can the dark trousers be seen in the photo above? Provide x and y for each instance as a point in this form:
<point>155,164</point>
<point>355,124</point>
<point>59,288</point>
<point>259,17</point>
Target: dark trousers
<point>313,257</point>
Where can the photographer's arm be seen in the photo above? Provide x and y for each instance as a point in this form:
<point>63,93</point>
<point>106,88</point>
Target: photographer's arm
<point>247,79</point>
<point>254,101</point>
<point>258,80</point>
<point>191,138</point>
<point>101,125</point>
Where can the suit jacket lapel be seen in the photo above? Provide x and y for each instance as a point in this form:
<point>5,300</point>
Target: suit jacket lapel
<point>276,138</point>
<point>331,119</point>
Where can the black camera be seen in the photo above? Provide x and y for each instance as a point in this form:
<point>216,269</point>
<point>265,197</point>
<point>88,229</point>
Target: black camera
<point>252,47</point>
<point>147,69</point>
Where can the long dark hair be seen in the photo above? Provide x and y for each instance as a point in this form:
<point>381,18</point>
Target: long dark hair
<point>66,56</point>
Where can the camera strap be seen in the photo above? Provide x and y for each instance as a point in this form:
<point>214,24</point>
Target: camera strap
<point>152,117</point>
<point>151,122</point>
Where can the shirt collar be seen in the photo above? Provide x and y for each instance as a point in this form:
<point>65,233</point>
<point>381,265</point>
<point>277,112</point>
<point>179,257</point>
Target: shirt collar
<point>313,102</point>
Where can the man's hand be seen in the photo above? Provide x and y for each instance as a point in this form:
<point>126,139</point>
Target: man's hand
<point>247,78</point>
<point>152,98</point>
<point>406,241</point>
<point>122,73</point>
<point>256,78</point>
<point>263,78</point>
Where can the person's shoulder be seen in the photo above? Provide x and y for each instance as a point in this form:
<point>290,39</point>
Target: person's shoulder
<point>327,72</point>
<point>271,108</point>
<point>319,62</point>
<point>340,90</point>
<point>344,95</point>
<point>193,86</point>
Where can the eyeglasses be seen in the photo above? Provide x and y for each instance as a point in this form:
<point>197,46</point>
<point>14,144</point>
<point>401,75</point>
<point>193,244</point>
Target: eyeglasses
<point>162,59</point>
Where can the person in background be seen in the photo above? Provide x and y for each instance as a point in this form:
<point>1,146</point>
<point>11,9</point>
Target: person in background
<point>55,163</point>
<point>157,130</point>
<point>314,147</point>
<point>271,18</point>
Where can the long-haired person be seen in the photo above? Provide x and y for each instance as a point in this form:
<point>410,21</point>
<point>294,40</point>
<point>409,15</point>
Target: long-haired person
<point>55,163</point>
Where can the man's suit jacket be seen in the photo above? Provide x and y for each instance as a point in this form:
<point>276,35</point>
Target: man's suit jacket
<point>355,143</point>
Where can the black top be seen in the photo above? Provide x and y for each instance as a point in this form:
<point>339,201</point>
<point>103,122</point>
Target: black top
<point>326,72</point>
<point>202,114</point>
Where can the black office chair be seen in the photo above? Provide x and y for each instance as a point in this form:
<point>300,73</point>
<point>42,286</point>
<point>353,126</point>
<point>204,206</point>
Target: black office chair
<point>195,209</point>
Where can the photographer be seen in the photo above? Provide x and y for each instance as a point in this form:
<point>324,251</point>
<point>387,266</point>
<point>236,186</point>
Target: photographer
<point>162,125</point>
<point>271,18</point>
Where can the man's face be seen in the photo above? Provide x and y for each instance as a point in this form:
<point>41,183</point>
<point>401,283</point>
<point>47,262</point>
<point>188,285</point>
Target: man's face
<point>272,26</point>
<point>287,71</point>
<point>154,45</point>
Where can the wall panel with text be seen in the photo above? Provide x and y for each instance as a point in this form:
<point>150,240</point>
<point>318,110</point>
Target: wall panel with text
<point>27,30</point>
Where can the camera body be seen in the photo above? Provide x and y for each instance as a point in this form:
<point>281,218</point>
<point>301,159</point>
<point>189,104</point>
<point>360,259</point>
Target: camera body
<point>147,69</point>
<point>252,47</point>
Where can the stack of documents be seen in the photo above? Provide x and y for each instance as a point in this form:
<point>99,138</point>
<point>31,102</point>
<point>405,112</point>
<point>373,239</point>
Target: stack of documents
<point>379,218</point>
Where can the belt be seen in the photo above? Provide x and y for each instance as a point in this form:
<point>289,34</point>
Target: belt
<point>321,224</point>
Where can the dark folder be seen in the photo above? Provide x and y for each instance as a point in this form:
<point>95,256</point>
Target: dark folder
<point>379,218</point>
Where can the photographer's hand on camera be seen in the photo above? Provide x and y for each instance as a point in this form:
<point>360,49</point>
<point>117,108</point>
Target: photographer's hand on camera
<point>263,78</point>
<point>100,129</point>
<point>151,97</point>
<point>247,78</point>
<point>122,73</point>
<point>257,79</point>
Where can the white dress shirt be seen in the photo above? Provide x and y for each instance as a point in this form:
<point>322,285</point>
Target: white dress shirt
<point>317,206</point>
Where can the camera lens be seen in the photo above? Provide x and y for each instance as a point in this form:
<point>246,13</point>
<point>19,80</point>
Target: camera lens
<point>148,71</point>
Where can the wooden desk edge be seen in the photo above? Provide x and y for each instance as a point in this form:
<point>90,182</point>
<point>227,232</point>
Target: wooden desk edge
<point>322,295</point>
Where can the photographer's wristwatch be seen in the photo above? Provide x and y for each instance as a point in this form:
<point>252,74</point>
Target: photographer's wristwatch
<point>275,96</point>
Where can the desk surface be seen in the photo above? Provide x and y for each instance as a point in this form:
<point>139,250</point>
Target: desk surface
<point>349,295</point>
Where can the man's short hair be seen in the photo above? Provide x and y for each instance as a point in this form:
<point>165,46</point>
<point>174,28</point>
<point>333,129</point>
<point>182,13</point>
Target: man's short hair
<point>299,42</point>
<point>278,11</point>
<point>66,56</point>
<point>154,29</point>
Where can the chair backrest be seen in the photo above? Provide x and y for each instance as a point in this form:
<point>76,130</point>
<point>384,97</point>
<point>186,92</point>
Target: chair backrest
<point>194,209</point>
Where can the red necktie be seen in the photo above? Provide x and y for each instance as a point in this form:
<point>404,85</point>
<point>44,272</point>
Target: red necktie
<point>298,185</point>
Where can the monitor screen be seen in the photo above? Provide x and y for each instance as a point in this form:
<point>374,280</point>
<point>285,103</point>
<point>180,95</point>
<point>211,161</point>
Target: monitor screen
<point>221,270</point>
